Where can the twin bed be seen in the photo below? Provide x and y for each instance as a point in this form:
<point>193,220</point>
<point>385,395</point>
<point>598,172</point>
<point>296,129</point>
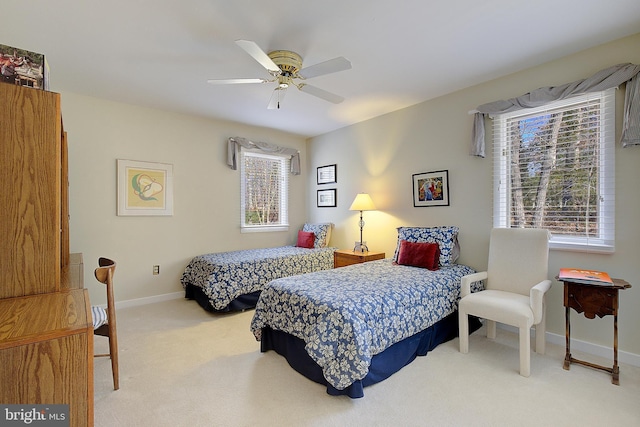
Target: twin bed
<point>354,326</point>
<point>232,281</point>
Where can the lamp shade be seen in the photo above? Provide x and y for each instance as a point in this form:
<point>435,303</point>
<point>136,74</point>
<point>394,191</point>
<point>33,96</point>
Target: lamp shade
<point>362,202</point>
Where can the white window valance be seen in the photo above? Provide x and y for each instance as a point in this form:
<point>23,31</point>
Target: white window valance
<point>604,79</point>
<point>235,141</point>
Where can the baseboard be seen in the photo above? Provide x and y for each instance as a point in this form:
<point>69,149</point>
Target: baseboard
<point>149,300</point>
<point>585,347</point>
<point>595,349</point>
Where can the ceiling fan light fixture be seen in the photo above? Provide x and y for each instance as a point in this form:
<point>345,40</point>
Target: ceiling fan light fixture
<point>284,81</point>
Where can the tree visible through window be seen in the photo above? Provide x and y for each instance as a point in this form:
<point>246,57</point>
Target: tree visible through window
<point>554,169</point>
<point>264,191</point>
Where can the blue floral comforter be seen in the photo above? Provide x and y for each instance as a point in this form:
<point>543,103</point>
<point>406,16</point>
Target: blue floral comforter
<point>348,315</point>
<point>225,276</point>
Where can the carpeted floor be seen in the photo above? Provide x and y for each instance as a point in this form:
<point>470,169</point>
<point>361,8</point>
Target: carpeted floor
<point>182,366</point>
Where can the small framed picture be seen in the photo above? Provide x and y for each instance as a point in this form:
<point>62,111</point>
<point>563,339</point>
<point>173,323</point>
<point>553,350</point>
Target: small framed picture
<point>327,174</point>
<point>431,189</point>
<point>327,198</point>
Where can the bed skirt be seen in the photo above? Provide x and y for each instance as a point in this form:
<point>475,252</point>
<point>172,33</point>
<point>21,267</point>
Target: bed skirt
<point>241,303</point>
<point>383,365</point>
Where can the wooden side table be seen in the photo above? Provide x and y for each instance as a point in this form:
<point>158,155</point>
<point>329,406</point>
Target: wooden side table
<point>342,258</point>
<point>593,300</point>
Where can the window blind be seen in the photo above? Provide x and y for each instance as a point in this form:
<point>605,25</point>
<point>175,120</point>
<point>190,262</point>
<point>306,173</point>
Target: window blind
<point>264,192</point>
<point>554,169</point>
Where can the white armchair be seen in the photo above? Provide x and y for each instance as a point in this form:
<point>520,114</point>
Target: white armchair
<point>515,286</point>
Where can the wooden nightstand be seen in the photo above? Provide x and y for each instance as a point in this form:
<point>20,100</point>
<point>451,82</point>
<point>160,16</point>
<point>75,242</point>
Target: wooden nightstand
<point>593,300</point>
<point>342,258</point>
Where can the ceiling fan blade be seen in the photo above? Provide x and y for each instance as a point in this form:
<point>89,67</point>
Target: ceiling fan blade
<point>259,55</point>
<point>235,81</point>
<point>276,98</point>
<point>327,67</point>
<point>321,93</point>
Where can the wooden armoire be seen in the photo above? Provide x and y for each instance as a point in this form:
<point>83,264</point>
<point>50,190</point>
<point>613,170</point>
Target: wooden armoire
<point>46,333</point>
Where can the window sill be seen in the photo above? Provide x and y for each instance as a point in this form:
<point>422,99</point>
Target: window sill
<point>582,247</point>
<point>264,229</point>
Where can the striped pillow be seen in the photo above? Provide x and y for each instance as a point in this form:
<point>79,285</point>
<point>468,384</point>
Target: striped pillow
<point>99,315</point>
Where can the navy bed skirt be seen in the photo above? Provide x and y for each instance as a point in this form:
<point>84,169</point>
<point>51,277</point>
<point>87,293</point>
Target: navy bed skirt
<point>241,303</point>
<point>383,365</point>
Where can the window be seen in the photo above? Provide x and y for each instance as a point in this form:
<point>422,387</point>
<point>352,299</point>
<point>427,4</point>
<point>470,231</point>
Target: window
<point>554,169</point>
<point>264,192</point>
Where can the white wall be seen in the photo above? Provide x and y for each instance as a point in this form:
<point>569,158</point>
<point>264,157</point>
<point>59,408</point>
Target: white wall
<point>206,192</point>
<point>380,155</point>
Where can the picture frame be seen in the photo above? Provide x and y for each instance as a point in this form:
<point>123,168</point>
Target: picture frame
<point>327,174</point>
<point>431,188</point>
<point>144,188</point>
<point>327,198</point>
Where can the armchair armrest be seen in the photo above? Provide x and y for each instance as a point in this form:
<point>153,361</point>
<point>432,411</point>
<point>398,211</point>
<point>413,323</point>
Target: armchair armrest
<point>536,297</point>
<point>466,281</point>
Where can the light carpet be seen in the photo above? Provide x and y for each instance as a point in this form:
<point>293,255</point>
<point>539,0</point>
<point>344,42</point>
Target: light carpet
<point>182,366</point>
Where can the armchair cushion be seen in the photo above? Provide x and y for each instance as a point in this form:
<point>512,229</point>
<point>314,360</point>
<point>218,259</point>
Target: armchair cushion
<point>518,259</point>
<point>504,307</point>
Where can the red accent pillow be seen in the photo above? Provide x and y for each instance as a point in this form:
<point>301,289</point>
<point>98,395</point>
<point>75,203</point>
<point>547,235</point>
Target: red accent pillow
<point>424,255</point>
<point>306,239</point>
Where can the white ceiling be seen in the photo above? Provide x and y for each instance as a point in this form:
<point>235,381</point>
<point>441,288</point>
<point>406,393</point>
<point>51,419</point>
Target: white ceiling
<point>160,53</point>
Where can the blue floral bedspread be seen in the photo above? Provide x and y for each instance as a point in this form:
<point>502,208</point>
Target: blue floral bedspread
<point>348,315</point>
<point>225,276</point>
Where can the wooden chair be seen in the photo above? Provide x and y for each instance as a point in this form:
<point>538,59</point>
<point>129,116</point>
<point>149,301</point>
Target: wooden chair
<point>104,321</point>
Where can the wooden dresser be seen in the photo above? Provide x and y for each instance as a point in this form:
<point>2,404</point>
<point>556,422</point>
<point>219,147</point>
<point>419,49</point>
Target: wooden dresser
<point>46,333</point>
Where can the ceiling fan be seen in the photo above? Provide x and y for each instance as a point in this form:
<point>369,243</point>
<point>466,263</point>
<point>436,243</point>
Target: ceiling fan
<point>285,68</point>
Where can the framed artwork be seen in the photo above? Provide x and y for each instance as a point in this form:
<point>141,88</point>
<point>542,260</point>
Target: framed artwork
<point>431,189</point>
<point>327,198</point>
<point>327,174</point>
<point>144,188</point>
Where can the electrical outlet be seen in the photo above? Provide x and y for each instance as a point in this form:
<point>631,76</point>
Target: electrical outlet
<point>156,270</point>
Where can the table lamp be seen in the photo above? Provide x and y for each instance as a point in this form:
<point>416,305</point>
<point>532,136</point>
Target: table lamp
<point>362,202</point>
